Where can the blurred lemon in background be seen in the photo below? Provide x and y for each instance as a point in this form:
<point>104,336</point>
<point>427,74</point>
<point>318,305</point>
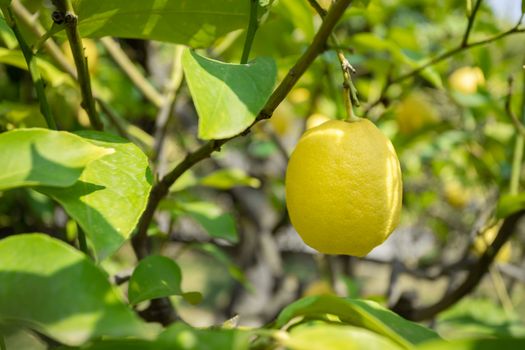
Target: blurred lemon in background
<point>316,119</point>
<point>415,112</point>
<point>456,195</point>
<point>485,239</point>
<point>466,79</point>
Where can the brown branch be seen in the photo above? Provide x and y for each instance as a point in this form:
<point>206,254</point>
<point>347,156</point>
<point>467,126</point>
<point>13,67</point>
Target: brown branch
<point>473,278</point>
<point>161,189</point>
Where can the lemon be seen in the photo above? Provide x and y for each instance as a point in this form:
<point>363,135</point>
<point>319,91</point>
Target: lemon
<point>483,241</point>
<point>343,187</point>
<point>282,120</point>
<point>456,195</point>
<point>90,51</point>
<point>466,79</point>
<point>318,287</point>
<point>414,112</point>
<point>316,119</point>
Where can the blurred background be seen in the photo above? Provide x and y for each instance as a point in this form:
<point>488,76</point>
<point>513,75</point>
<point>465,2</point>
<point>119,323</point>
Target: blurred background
<point>225,220</point>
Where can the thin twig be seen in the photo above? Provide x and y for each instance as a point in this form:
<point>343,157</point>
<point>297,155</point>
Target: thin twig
<point>508,108</point>
<point>128,67</point>
<point>168,104</point>
<point>75,42</point>
<point>161,189</point>
<point>470,23</point>
<point>349,91</point>
<point>253,25</point>
<point>443,56</point>
<point>32,67</point>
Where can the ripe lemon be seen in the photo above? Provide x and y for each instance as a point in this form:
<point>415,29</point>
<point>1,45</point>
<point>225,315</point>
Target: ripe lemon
<point>466,79</point>
<point>483,241</point>
<point>414,112</point>
<point>343,187</point>
<point>316,119</point>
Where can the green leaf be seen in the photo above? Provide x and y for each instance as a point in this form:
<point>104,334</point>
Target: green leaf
<point>301,15</point>
<point>478,344</point>
<point>50,287</point>
<point>361,313</point>
<point>234,270</point>
<point>49,72</point>
<point>372,42</point>
<point>225,179</point>
<point>193,23</point>
<point>42,157</point>
<point>227,97</point>
<point>522,6</point>
<point>110,195</point>
<point>212,219</point>
<point>509,204</point>
<point>322,336</point>
<point>156,277</point>
<point>183,337</point>
<point>6,34</point>
<point>479,318</point>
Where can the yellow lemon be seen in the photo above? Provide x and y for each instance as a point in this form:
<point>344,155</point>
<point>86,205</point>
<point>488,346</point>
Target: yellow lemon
<point>318,287</point>
<point>316,119</point>
<point>344,188</point>
<point>456,195</point>
<point>414,112</point>
<point>484,240</point>
<point>90,51</point>
<point>299,95</point>
<point>282,119</point>
<point>466,79</point>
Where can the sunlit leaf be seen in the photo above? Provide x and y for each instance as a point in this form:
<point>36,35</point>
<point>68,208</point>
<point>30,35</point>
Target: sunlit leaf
<point>110,195</point>
<point>49,72</point>
<point>227,178</point>
<point>212,218</point>
<point>478,344</point>
<point>183,337</point>
<point>193,23</point>
<point>49,286</point>
<point>42,157</point>
<point>228,97</point>
<point>322,336</point>
<point>361,313</point>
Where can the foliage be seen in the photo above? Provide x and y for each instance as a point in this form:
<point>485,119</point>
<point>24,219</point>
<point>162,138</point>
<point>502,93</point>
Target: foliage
<point>168,229</point>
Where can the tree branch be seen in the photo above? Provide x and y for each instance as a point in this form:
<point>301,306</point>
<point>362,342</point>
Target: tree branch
<point>128,67</point>
<point>161,189</point>
<point>349,90</point>
<point>470,23</point>
<point>441,57</point>
<point>75,42</point>
<point>474,276</point>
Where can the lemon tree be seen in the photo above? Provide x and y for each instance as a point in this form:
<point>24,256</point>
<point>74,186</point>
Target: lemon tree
<point>262,174</point>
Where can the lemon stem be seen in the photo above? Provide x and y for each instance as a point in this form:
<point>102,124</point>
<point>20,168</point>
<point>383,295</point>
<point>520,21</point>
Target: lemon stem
<point>349,91</point>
